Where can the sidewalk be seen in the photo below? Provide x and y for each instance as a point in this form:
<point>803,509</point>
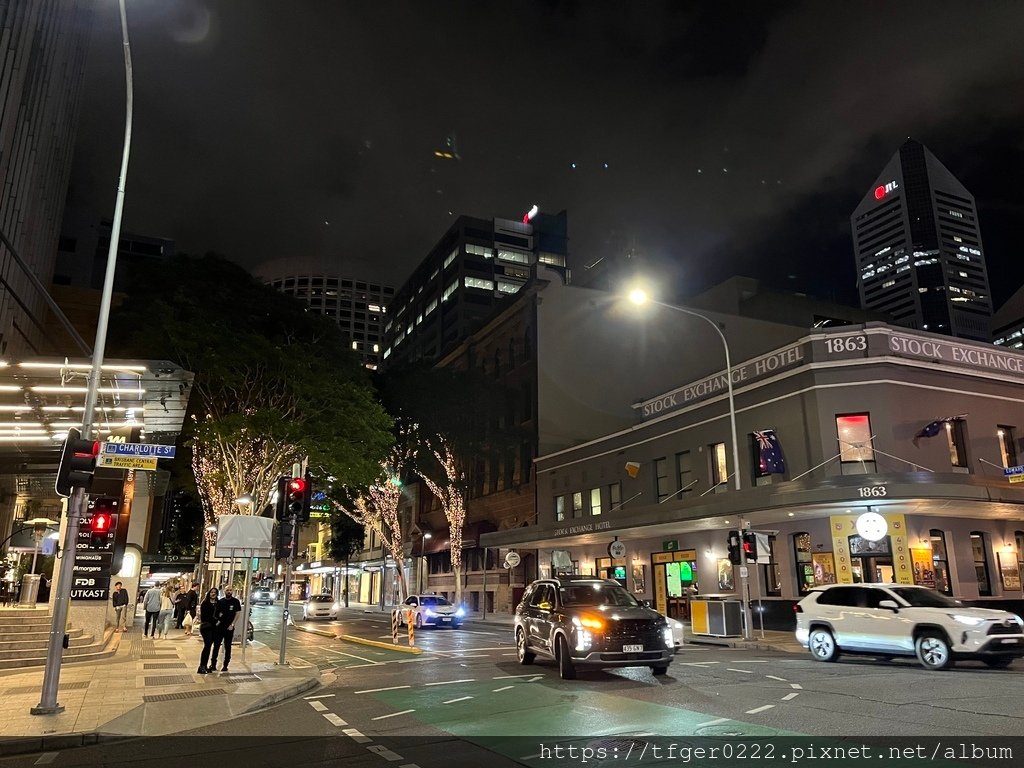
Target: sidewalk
<point>772,641</point>
<point>147,688</point>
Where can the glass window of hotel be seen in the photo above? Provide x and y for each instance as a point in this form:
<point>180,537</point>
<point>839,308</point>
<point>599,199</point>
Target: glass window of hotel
<point>577,504</point>
<point>980,552</point>
<point>614,496</point>
<point>595,501</point>
<point>559,508</point>
<point>662,478</point>
<point>940,561</point>
<point>719,466</point>
<point>1007,446</point>
<point>804,562</point>
<point>856,454</point>
<point>771,575</point>
<point>957,443</point>
<point>684,468</point>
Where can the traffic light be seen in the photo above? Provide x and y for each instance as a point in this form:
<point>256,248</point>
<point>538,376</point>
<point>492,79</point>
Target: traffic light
<point>77,463</point>
<point>734,547</point>
<point>285,534</point>
<point>281,507</point>
<point>102,523</point>
<point>750,546</point>
<point>299,495</point>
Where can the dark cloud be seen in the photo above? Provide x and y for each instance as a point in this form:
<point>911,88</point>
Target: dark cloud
<point>737,137</point>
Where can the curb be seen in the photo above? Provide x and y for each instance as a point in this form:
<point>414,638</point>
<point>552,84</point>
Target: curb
<point>58,742</point>
<point>285,693</point>
<point>754,646</point>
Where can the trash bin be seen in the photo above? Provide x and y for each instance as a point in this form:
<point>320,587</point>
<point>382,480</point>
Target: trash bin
<point>30,589</point>
<point>716,617</point>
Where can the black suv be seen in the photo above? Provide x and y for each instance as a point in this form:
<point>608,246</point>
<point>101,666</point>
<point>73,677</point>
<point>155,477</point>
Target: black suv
<point>585,620</point>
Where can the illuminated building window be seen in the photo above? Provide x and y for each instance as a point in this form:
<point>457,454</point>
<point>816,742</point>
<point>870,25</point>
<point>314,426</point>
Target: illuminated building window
<point>517,257</point>
<point>1007,446</point>
<point>719,465</point>
<point>451,258</point>
<point>940,561</point>
<point>888,283</point>
<point>979,550</point>
<point>449,291</point>
<point>476,282</point>
<point>552,258</point>
<point>957,443</point>
<point>479,250</point>
<point>856,454</point>
<point>595,501</point>
<point>614,496</point>
<point>504,286</point>
<point>559,508</point>
<point>430,307</point>
<point>577,504</point>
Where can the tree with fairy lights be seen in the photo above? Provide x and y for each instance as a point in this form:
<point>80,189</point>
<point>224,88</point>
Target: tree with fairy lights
<point>447,486</point>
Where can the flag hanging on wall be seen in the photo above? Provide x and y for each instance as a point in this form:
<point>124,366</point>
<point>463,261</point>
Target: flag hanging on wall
<point>932,428</point>
<point>769,452</point>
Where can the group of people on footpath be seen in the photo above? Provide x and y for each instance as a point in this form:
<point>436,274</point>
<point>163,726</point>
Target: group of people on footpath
<point>215,617</point>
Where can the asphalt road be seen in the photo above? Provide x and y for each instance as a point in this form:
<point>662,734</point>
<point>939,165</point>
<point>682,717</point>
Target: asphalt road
<point>467,701</point>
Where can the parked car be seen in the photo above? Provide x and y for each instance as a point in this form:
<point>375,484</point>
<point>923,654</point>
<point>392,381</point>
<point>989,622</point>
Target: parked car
<point>262,596</point>
<point>432,611</point>
<point>585,621</point>
<point>320,607</point>
<point>887,620</point>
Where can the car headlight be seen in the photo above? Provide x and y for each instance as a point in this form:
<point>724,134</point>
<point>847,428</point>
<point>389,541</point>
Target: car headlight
<point>429,612</point>
<point>970,621</point>
<point>677,625</point>
<point>669,640</point>
<point>461,612</point>
<point>337,606</point>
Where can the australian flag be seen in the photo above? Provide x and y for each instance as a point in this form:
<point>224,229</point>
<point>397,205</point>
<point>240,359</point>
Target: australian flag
<point>932,428</point>
<point>769,452</point>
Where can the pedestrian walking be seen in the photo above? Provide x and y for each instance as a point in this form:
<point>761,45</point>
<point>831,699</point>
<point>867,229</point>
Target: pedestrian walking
<point>207,622</point>
<point>193,602</point>
<point>166,611</point>
<point>151,602</point>
<point>228,609</point>
<point>180,606</point>
<point>120,601</point>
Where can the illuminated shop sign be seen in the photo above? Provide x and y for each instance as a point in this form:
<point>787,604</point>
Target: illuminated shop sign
<point>884,189</point>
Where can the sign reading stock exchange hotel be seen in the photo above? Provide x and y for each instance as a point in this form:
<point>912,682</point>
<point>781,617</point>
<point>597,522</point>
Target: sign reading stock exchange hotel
<point>874,340</point>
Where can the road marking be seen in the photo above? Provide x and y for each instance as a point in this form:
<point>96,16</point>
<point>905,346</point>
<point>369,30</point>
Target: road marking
<point>511,677</point>
<point>509,654</point>
<point>378,690</point>
<point>352,655</point>
<point>319,706</point>
<point>506,688</point>
<point>797,686</point>
<point>744,671</point>
<point>750,661</point>
<point>714,722</point>
<point>452,701</point>
<point>789,696</point>
<point>409,765</point>
<point>333,719</point>
<point>445,682</point>
<point>46,757</point>
<point>760,709</point>
<point>773,677</point>
<point>415,658</point>
<point>393,714</point>
<point>475,656</point>
<point>697,663</point>
<point>321,696</point>
<point>535,678</point>
<point>386,753</point>
<point>356,736</point>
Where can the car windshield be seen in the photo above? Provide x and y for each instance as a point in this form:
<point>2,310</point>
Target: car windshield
<point>429,601</point>
<point>596,593</point>
<point>321,599</point>
<point>925,598</point>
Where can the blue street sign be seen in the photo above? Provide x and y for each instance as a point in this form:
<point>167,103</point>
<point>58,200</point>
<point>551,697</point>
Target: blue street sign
<point>1013,471</point>
<point>139,449</point>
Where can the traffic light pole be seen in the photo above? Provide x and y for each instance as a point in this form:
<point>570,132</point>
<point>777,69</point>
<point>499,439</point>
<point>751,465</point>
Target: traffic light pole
<point>287,594</point>
<point>744,585</point>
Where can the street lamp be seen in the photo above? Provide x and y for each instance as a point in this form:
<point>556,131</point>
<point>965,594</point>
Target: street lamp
<point>639,297</point>
<point>202,554</point>
<point>423,546</point>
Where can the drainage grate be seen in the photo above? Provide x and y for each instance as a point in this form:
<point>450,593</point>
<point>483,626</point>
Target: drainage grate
<point>241,677</point>
<point>184,695</point>
<point>160,656</point>
<point>170,680</point>
<point>78,686</point>
<point>166,665</point>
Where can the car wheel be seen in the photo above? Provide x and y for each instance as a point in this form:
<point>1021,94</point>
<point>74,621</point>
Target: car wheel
<point>566,670</point>
<point>822,645</point>
<point>998,662</point>
<point>419,621</point>
<point>524,656</point>
<point>659,670</point>
<point>933,651</point>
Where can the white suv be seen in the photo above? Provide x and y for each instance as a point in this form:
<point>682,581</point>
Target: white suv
<point>887,620</point>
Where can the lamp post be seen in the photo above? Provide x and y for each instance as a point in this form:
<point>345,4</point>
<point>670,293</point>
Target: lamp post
<point>639,297</point>
<point>200,574</point>
<point>423,546</point>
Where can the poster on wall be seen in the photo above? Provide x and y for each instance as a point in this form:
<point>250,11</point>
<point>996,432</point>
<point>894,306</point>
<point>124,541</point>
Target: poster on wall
<point>725,580</point>
<point>924,569</point>
<point>824,568</point>
<point>1009,571</point>
<point>639,582</point>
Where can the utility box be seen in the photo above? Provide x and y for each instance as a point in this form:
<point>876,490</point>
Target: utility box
<point>716,618</point>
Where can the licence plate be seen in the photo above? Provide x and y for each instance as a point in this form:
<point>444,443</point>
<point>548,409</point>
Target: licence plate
<point>1009,640</point>
<point>632,649</point>
<point>446,619</point>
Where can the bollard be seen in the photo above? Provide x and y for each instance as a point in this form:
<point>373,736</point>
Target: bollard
<point>394,627</point>
<point>412,626</point>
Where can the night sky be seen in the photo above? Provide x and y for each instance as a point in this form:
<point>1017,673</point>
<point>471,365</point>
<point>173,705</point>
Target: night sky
<point>712,138</point>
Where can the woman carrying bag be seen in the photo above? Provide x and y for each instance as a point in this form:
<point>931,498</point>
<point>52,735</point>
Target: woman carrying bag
<point>166,610</point>
<point>207,619</point>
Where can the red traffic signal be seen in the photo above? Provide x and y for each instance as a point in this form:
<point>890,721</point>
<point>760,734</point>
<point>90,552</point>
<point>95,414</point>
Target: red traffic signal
<point>100,523</point>
<point>77,463</point>
<point>296,485</point>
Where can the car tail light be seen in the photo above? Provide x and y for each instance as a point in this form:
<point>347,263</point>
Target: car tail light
<point>797,608</point>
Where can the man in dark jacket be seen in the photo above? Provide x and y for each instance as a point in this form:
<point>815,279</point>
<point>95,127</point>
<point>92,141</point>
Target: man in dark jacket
<point>180,606</point>
<point>192,601</point>
<point>228,611</point>
<point>120,601</point>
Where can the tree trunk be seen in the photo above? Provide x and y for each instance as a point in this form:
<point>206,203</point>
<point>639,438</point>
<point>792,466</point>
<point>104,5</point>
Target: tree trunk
<point>400,575</point>
<point>457,571</point>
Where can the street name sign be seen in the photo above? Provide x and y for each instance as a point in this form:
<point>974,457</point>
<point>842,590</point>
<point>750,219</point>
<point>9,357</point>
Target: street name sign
<point>139,449</point>
<point>128,462</point>
<point>1014,474</point>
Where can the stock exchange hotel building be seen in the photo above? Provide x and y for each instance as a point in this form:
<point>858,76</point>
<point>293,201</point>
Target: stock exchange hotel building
<point>918,248</point>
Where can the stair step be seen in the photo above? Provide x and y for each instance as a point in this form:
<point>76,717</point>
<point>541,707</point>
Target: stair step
<point>76,644</point>
<point>8,644</point>
<point>28,636</point>
<point>39,661</point>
